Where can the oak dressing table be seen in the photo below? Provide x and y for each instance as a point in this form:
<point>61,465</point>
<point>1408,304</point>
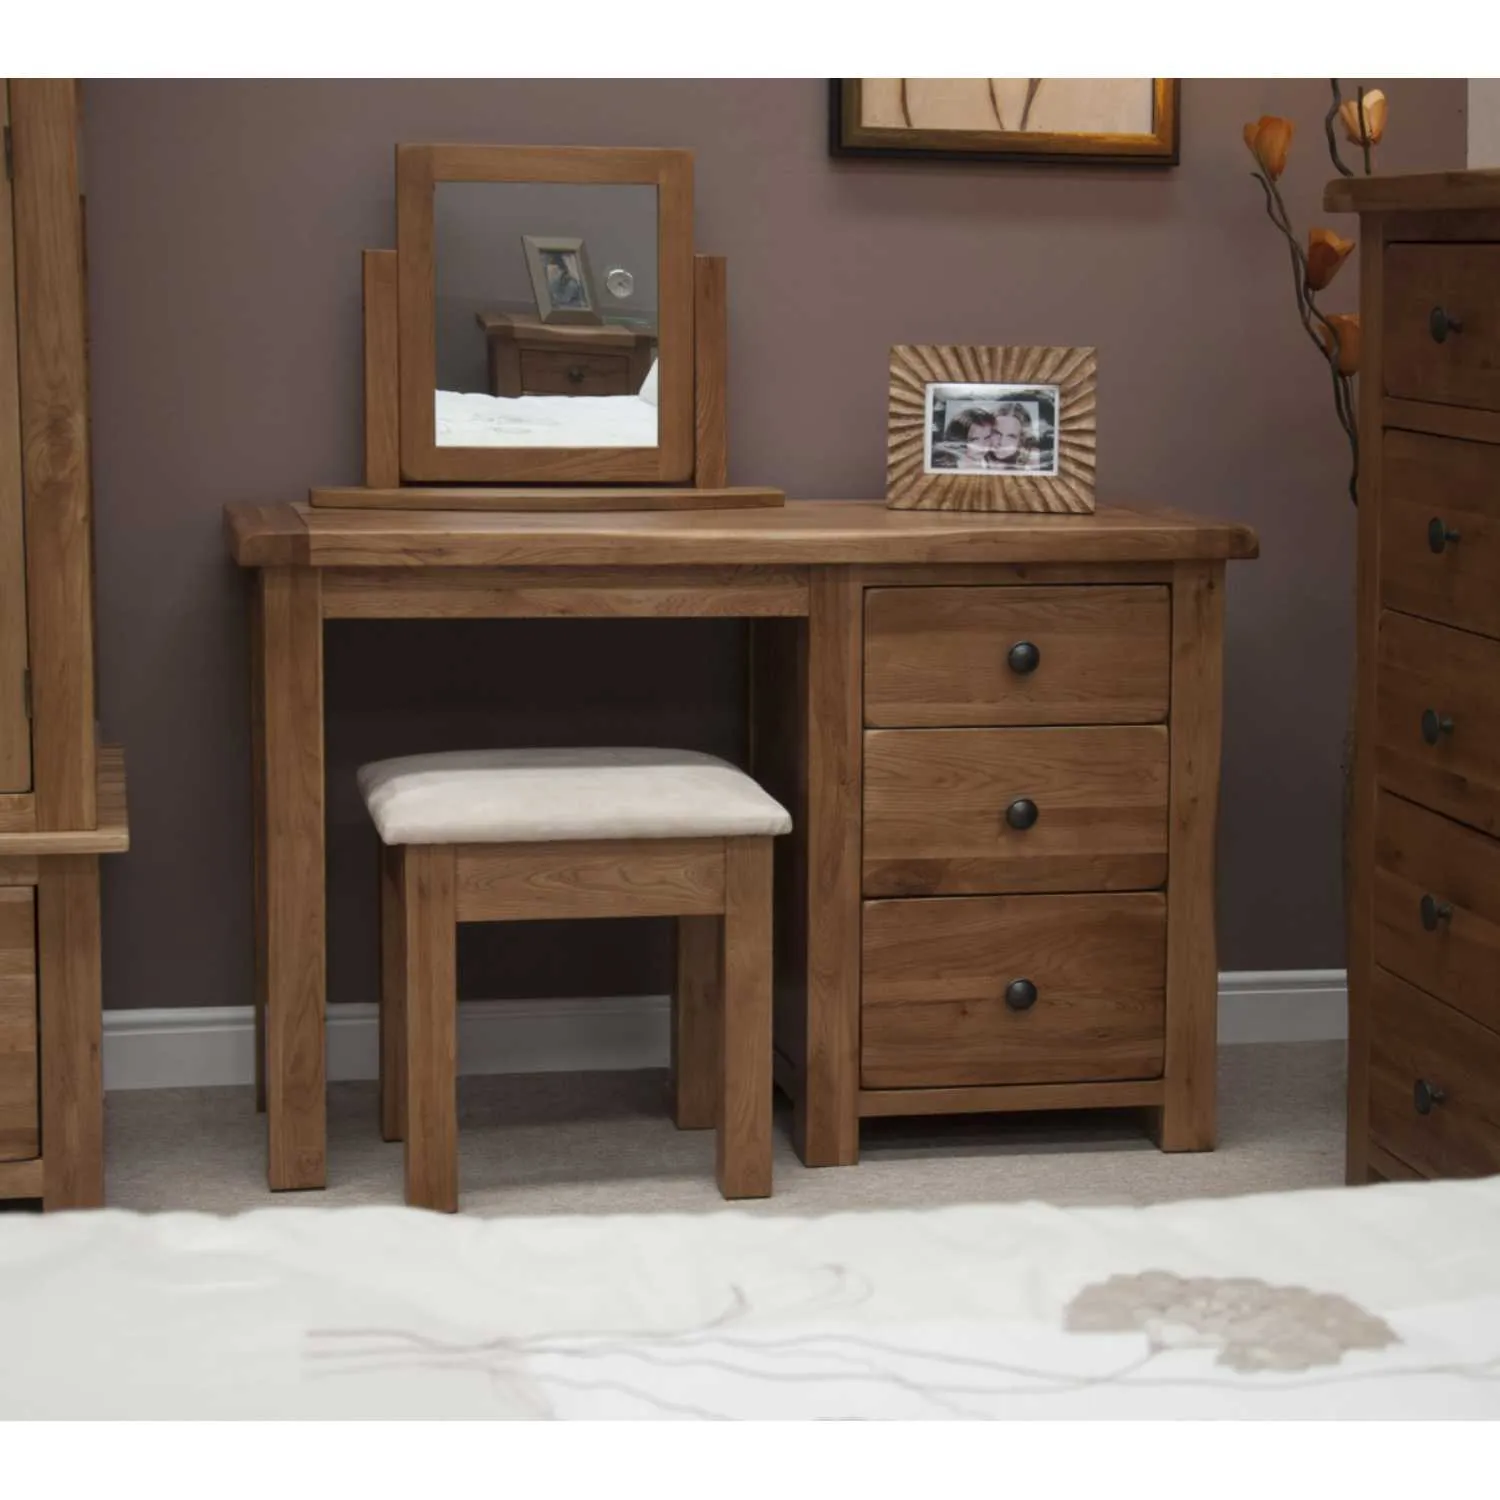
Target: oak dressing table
<point>998,736</point>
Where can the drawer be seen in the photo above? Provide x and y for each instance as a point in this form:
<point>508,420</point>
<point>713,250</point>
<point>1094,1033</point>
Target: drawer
<point>1450,946</point>
<point>1463,369</point>
<point>1434,1083</point>
<point>1437,711</point>
<point>952,812</point>
<point>951,657</point>
<point>934,1010</point>
<point>20,1136</point>
<point>555,372</point>
<point>1440,530</point>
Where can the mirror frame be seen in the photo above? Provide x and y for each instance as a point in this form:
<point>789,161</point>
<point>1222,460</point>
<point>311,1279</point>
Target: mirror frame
<point>418,171</point>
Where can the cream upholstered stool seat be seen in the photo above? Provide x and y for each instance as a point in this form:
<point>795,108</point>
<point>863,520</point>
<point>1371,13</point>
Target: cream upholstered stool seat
<point>523,835</point>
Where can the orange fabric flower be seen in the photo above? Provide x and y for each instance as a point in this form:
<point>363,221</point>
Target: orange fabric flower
<point>1346,325</point>
<point>1375,112</point>
<point>1326,252</point>
<point>1269,140</point>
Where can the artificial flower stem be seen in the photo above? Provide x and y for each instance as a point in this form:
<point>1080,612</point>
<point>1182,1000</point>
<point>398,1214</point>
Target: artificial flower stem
<point>1328,119</point>
<point>1308,309</point>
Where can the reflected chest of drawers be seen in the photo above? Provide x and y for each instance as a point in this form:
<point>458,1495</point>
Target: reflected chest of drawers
<point>530,358</point>
<point>1424,958</point>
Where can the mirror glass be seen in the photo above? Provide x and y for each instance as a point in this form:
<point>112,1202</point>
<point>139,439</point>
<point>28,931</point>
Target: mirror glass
<point>546,306</point>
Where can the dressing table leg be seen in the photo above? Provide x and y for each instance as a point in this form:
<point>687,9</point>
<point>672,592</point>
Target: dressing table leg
<point>292,924</point>
<point>826,1122</point>
<point>1185,1121</point>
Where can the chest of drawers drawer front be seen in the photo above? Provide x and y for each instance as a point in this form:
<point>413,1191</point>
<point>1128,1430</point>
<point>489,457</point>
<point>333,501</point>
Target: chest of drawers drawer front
<point>19,1128</point>
<point>1440,530</point>
<point>1437,716</point>
<point>1434,1083</point>
<point>552,372</point>
<point>1442,333</point>
<point>971,811</point>
<point>945,657</point>
<point>1437,906</point>
<point>974,990</point>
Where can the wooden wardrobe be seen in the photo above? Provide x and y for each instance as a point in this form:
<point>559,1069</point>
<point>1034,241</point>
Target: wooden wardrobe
<point>1424,955</point>
<point>62,796</point>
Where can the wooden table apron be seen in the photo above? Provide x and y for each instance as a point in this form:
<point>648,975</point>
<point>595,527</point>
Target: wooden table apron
<point>800,571</point>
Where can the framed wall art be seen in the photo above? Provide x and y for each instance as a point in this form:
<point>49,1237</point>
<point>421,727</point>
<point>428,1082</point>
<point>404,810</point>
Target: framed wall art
<point>979,428</point>
<point>1096,120</point>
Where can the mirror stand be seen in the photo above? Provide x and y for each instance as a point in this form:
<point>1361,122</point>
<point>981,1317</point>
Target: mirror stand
<point>384,488</point>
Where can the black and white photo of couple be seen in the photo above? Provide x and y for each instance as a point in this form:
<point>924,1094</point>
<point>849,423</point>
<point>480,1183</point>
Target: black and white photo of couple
<point>992,429</point>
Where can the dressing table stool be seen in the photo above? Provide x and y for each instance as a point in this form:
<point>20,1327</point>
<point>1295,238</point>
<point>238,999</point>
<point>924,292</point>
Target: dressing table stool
<point>529,835</point>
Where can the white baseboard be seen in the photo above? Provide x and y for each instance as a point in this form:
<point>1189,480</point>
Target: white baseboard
<point>155,1049</point>
<point>1283,1005</point>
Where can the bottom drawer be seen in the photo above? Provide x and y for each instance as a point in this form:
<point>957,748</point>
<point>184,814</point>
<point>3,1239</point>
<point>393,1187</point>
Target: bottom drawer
<point>20,1136</point>
<point>973,990</point>
<point>1434,1083</point>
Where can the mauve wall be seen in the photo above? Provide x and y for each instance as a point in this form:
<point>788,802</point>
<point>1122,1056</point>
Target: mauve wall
<point>225,224</point>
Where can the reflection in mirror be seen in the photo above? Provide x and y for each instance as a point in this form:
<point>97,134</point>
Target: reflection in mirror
<point>546,314</point>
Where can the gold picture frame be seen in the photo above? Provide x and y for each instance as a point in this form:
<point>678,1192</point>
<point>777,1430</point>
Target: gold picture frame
<point>975,427</point>
<point>1110,121</point>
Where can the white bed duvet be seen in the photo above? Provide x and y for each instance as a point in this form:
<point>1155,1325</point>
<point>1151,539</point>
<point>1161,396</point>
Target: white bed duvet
<point>466,420</point>
<point>1377,1302</point>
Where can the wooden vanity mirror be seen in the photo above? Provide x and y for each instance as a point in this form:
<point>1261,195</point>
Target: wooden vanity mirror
<point>543,337</point>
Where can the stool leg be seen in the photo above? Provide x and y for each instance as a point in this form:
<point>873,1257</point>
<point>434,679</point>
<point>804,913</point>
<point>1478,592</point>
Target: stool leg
<point>696,1003</point>
<point>392,996</point>
<point>430,935</point>
<point>743,1145</point>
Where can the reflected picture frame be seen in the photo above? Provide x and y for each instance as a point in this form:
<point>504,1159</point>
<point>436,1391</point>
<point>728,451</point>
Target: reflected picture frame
<point>561,280</point>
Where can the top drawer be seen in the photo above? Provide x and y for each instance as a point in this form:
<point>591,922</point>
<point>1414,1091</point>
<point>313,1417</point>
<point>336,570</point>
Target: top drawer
<point>952,657</point>
<point>1440,530</point>
<point>1442,324</point>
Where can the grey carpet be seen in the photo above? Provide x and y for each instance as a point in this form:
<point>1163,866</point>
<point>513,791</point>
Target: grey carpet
<point>601,1143</point>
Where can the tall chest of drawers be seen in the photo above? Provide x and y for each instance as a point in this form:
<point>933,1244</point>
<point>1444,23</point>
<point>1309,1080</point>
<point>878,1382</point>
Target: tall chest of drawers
<point>1424,918</point>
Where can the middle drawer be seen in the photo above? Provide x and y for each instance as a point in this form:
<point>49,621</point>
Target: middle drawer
<point>952,812</point>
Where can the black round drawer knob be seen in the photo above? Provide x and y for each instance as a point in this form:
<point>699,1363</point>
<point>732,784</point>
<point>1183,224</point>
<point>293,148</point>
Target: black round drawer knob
<point>1440,323</point>
<point>1021,813</point>
<point>1435,911</point>
<point>1435,725</point>
<point>575,375</point>
<point>1424,1095</point>
<point>1020,994</point>
<point>1023,657</point>
<point>1439,534</point>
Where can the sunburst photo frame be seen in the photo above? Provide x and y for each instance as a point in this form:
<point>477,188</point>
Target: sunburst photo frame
<point>984,428</point>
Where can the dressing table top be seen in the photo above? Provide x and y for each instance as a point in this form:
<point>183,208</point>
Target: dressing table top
<point>802,532</point>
